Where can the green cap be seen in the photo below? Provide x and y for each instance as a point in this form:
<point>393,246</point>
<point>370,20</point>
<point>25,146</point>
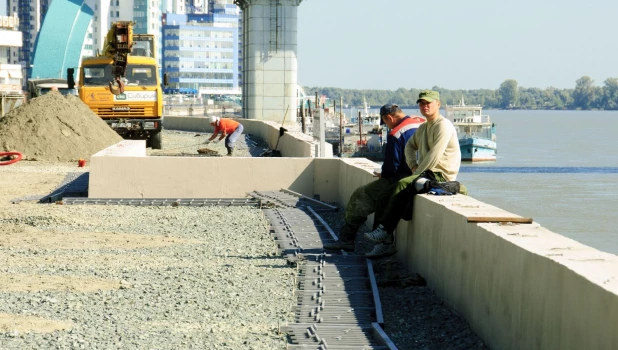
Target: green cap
<point>428,95</point>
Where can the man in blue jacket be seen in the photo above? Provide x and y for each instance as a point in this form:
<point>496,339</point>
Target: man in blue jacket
<point>364,199</point>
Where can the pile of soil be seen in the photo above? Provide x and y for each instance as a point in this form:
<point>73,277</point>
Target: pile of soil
<point>208,152</point>
<point>55,128</point>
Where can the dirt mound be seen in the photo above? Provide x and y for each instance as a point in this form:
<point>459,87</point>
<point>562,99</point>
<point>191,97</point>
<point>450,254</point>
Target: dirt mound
<point>55,128</point>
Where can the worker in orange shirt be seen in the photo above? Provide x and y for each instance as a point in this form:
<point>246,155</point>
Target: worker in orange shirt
<point>229,129</point>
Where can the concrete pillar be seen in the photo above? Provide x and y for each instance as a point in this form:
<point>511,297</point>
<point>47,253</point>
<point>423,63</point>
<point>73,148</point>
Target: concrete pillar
<point>269,60</point>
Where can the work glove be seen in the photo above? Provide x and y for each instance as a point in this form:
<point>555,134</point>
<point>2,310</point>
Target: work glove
<point>206,142</point>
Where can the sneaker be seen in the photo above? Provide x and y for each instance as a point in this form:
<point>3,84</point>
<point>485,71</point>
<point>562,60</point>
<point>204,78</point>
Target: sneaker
<point>379,235</point>
<point>381,250</point>
<point>348,246</point>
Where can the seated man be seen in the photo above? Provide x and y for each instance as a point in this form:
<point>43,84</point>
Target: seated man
<point>363,200</point>
<point>434,147</point>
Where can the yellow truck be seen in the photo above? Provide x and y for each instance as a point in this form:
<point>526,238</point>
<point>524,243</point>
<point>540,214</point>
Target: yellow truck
<point>123,87</point>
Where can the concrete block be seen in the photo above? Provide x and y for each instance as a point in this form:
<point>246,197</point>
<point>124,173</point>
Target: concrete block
<point>125,148</point>
<point>158,177</point>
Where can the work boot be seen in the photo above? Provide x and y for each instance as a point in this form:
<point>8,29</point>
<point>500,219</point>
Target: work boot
<point>380,235</point>
<point>347,237</point>
<point>381,250</point>
<point>229,150</point>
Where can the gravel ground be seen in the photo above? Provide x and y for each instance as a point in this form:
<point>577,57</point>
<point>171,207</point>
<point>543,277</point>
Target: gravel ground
<point>111,277</point>
<point>187,143</point>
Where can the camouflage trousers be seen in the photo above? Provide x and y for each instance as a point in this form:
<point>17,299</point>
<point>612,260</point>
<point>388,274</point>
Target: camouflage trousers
<point>391,206</point>
<point>364,200</point>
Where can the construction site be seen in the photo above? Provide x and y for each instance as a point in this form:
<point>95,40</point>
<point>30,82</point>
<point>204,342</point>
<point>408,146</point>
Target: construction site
<point>125,227</point>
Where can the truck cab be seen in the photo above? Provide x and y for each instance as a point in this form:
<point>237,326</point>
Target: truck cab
<point>39,87</point>
<point>137,112</point>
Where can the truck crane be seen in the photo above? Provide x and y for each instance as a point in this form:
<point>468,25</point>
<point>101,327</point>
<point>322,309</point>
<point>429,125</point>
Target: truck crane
<point>122,85</point>
<point>119,42</point>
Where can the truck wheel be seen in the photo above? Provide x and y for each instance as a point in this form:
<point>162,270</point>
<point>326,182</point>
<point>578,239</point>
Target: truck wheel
<point>156,141</point>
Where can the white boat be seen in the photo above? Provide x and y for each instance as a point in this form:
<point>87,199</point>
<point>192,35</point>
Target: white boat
<point>476,132</point>
<point>369,122</point>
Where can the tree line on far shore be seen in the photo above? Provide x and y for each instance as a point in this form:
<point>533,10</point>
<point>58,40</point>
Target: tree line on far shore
<point>509,95</point>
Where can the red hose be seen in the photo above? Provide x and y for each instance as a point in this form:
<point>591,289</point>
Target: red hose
<point>6,154</point>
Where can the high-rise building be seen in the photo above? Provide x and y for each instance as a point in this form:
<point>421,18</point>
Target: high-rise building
<point>10,38</point>
<point>201,50</point>
<point>147,18</point>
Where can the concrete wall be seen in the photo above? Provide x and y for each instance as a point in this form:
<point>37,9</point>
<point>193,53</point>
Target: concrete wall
<point>519,286</point>
<point>196,177</point>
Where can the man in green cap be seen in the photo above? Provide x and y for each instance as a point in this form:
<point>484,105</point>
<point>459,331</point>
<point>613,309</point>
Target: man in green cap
<point>434,146</point>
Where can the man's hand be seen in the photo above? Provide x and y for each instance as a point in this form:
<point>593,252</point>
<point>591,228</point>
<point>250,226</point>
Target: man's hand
<point>376,174</point>
<point>206,142</point>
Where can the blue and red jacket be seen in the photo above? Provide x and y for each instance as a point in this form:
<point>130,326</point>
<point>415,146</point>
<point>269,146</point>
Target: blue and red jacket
<point>395,166</point>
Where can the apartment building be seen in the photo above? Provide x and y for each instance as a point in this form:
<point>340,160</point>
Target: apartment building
<point>201,50</point>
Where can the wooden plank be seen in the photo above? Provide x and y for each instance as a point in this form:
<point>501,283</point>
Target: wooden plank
<point>517,220</point>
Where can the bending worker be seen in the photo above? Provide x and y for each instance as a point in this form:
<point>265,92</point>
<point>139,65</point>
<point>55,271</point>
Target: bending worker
<point>364,199</point>
<point>229,129</point>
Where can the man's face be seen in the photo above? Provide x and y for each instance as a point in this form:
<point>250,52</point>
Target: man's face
<point>429,109</point>
<point>388,121</point>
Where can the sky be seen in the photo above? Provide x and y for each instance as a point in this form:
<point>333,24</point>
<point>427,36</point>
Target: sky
<point>455,44</point>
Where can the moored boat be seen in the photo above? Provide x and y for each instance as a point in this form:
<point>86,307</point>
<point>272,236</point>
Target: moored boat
<point>476,132</point>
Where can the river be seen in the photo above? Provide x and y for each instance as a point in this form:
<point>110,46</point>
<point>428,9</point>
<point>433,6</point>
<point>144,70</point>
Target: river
<point>558,167</point>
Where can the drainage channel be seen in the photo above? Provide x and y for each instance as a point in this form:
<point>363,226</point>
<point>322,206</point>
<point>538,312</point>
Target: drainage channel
<point>338,305</point>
